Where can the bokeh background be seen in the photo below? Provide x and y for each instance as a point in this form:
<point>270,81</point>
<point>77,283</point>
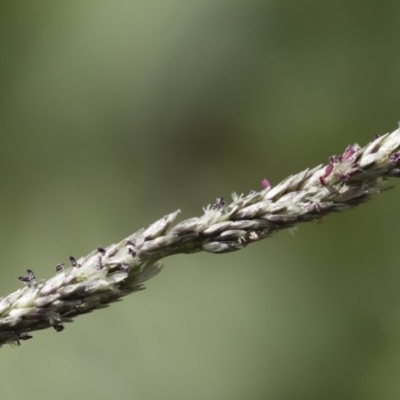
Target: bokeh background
<point>114,113</point>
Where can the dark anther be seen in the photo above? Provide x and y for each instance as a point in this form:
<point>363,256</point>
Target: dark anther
<point>219,204</point>
<point>22,336</point>
<point>377,135</point>
<point>131,242</point>
<point>73,261</point>
<point>131,251</point>
<point>101,250</point>
<point>27,279</point>
<point>58,327</point>
<point>31,275</point>
<point>252,192</point>
<point>59,267</point>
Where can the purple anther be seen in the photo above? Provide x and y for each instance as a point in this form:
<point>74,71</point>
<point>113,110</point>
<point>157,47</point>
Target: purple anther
<point>394,158</point>
<point>125,267</point>
<point>350,150</point>
<point>327,172</point>
<point>265,183</point>
<point>335,159</point>
<point>99,265</point>
<point>344,177</point>
<point>219,204</point>
<point>315,206</point>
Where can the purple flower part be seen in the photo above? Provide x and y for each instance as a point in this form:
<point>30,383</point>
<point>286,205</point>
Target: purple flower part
<point>315,206</point>
<point>219,204</point>
<point>265,183</point>
<point>394,158</point>
<point>354,167</point>
<point>99,265</point>
<point>350,150</point>
<point>328,170</point>
<point>344,177</point>
<point>335,159</point>
<point>125,267</point>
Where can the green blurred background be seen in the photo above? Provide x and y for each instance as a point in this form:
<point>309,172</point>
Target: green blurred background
<point>114,113</point>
